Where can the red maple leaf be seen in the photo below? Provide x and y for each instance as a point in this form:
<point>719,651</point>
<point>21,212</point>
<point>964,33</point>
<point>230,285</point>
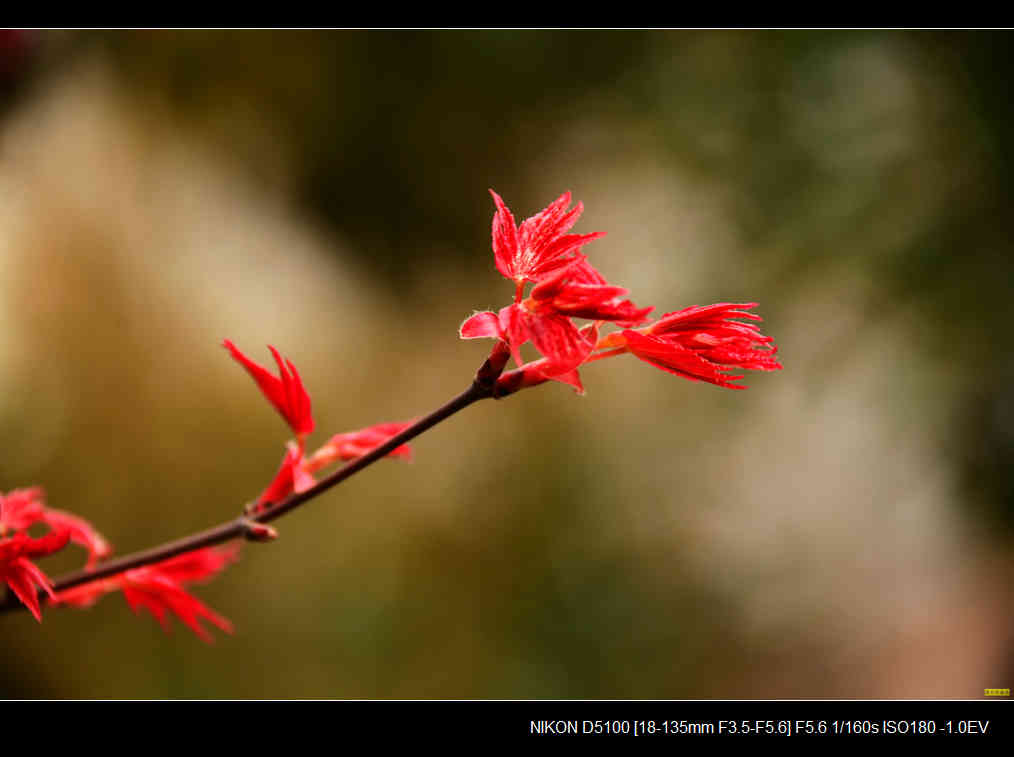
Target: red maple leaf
<point>541,244</point>
<point>702,343</point>
<point>21,508</point>
<point>285,391</point>
<point>579,291</point>
<point>353,444</point>
<point>292,477</point>
<point>20,573</point>
<point>160,589</point>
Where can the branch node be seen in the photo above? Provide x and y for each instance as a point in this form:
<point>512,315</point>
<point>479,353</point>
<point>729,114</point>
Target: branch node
<point>260,532</point>
<point>490,370</point>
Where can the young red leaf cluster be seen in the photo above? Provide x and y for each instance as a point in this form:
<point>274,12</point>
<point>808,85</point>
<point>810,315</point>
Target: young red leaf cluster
<point>697,343</point>
<point>288,395</point>
<point>24,508</point>
<point>20,510</point>
<point>158,588</point>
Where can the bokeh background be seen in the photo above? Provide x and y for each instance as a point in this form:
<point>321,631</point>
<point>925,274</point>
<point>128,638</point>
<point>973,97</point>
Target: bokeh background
<point>841,529</point>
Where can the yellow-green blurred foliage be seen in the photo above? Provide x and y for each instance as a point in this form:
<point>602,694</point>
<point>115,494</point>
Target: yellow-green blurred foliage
<point>842,528</point>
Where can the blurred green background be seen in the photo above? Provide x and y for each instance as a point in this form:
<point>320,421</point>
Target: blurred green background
<point>841,529</point>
